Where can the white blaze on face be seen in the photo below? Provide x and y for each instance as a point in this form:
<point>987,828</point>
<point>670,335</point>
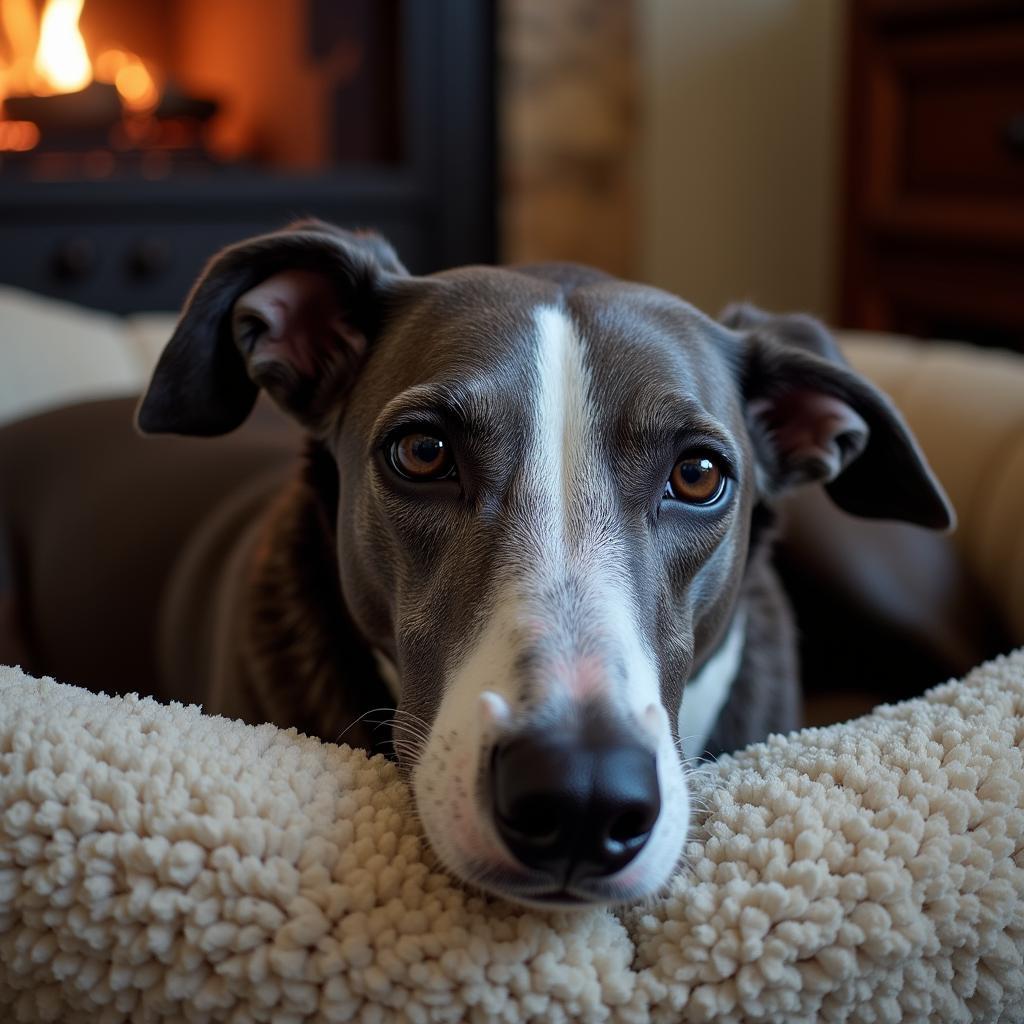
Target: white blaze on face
<point>567,534</point>
<point>560,463</point>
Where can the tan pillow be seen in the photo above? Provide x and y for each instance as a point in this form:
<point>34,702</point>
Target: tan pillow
<point>966,406</point>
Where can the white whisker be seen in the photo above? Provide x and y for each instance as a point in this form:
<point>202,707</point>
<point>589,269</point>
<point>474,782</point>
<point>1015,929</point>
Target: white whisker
<point>355,722</point>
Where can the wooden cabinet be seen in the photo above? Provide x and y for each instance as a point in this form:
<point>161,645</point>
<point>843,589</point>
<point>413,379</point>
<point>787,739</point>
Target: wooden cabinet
<point>934,169</point>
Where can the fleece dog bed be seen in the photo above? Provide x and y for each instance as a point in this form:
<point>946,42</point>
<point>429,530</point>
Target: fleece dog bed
<point>156,863</point>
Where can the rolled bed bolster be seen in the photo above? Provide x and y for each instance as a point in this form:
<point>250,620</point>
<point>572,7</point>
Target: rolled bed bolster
<point>158,863</point>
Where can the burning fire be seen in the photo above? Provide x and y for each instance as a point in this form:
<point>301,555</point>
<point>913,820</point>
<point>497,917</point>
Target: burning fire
<point>47,56</point>
<point>61,61</point>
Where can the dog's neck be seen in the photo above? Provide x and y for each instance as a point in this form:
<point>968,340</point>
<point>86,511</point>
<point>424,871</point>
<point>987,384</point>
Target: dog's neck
<point>705,693</point>
<point>307,663</point>
<point>388,672</point>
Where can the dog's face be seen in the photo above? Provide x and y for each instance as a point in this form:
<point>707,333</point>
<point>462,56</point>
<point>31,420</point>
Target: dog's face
<point>547,481</point>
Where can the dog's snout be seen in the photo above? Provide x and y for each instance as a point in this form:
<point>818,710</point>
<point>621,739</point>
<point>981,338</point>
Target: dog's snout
<point>575,808</point>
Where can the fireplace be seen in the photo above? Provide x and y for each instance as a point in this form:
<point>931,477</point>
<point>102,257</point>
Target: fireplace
<point>137,138</point>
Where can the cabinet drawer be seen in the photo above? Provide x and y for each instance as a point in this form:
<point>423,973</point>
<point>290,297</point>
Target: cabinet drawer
<point>967,136</point>
<point>121,267</point>
<point>141,265</point>
<point>957,100</point>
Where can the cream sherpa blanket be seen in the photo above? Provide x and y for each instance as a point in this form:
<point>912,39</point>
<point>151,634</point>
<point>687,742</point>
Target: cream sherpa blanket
<point>156,863</point>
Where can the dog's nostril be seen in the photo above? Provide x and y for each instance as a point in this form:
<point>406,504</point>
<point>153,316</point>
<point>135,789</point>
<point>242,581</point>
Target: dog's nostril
<point>536,820</point>
<point>632,826</point>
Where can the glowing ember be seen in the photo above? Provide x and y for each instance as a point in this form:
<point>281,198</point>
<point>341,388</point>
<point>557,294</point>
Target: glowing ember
<point>18,136</point>
<point>136,84</point>
<point>61,60</point>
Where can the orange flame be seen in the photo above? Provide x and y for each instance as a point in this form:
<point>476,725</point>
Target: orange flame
<point>61,61</point>
<point>18,27</point>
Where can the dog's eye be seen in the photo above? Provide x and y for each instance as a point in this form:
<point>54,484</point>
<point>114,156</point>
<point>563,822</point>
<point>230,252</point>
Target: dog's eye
<point>695,479</point>
<point>419,456</point>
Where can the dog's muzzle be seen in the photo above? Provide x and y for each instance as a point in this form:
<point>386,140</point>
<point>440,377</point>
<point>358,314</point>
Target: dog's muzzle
<point>577,807</point>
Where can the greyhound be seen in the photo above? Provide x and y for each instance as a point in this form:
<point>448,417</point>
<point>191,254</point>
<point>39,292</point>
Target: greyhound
<point>535,520</point>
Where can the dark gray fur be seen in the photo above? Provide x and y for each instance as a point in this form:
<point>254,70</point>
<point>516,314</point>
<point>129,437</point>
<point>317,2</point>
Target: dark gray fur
<point>417,564</point>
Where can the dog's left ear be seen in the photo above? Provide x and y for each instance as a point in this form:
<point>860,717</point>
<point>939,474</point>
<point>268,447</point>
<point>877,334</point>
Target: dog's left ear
<point>292,312</point>
<point>813,418</point>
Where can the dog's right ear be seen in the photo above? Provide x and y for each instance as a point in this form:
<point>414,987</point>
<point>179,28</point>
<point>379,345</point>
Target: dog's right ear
<point>292,312</point>
<point>813,419</point>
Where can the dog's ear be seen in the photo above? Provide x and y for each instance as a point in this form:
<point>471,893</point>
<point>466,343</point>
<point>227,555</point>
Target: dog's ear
<point>813,418</point>
<point>292,312</point>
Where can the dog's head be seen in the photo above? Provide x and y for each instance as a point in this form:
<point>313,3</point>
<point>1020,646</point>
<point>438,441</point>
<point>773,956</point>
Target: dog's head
<point>547,482</point>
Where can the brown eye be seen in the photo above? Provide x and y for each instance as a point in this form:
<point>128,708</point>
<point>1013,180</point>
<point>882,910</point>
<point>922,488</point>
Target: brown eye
<point>422,457</point>
<point>697,480</point>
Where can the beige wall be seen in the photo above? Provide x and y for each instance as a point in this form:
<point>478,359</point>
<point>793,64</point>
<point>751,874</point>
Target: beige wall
<point>740,101</point>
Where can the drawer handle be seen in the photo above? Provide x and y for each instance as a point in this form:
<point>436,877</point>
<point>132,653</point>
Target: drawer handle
<point>75,259</point>
<point>1013,135</point>
<point>149,258</point>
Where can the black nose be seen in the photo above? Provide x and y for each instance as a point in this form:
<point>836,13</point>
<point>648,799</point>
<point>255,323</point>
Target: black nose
<point>574,807</point>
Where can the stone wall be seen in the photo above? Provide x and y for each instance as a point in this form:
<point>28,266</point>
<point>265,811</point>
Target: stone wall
<point>568,103</point>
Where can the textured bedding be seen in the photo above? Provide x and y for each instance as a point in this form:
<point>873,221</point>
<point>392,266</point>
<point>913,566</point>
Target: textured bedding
<point>157,863</point>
